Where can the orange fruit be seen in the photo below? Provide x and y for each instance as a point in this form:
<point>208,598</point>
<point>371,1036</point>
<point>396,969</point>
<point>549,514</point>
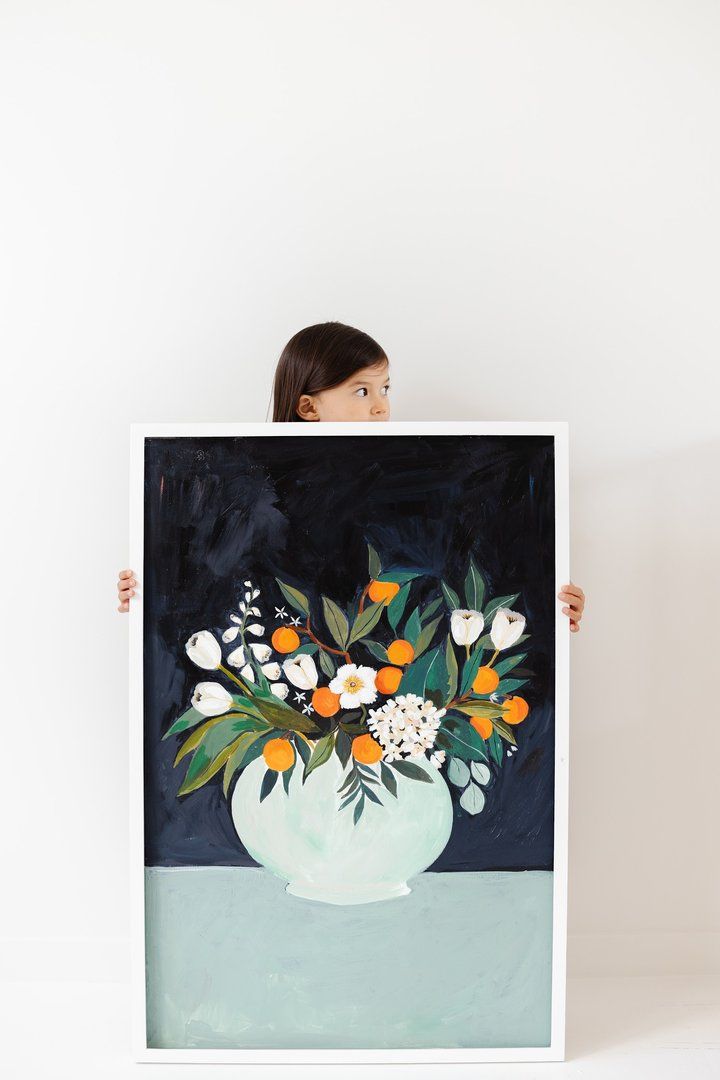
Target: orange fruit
<point>279,754</point>
<point>400,651</point>
<point>285,639</point>
<point>366,750</point>
<point>515,710</point>
<point>383,590</point>
<point>325,702</point>
<point>388,679</point>
<point>482,725</point>
<point>485,681</point>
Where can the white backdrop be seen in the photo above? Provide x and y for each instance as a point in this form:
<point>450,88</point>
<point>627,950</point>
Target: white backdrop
<point>519,201</point>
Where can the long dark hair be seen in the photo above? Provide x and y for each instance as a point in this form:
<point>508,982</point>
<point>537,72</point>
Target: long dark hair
<point>318,358</point>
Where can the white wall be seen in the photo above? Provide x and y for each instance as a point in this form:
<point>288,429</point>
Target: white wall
<point>519,201</point>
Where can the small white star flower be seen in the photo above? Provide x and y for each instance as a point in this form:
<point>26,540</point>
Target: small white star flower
<point>300,696</point>
<point>307,709</point>
<point>280,613</point>
<point>295,620</point>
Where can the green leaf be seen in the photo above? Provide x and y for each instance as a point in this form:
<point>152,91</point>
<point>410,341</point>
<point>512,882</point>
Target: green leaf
<point>505,731</point>
<point>508,686</point>
<point>374,564</point>
<point>451,597</point>
<point>400,575</point>
<point>426,635</point>
<point>507,665</point>
<point>336,621</point>
<point>388,779</point>
<point>474,587</point>
<point>203,766</point>
<point>452,668</point>
<point>376,649</point>
<point>476,707</point>
<point>302,748</point>
<point>480,772</point>
<point>322,752</point>
<point>367,793</point>
<point>397,606</point>
<point>183,723</point>
<point>472,799</point>
<point>470,668</point>
<point>287,776</point>
<point>412,627</point>
<point>294,597</point>
<point>346,802</point>
<point>430,608</point>
<point>269,781</point>
<point>350,779</point>
<point>498,602</point>
<point>307,649</point>
<point>411,771</point>
<point>343,746</point>
<point>235,724</point>
<point>327,664</point>
<point>365,621</point>
<point>416,675</point>
<point>458,772</point>
<point>247,748</point>
<point>495,748</point>
<point>359,809</point>
<point>461,740</point>
<point>366,774</point>
<point>282,716</point>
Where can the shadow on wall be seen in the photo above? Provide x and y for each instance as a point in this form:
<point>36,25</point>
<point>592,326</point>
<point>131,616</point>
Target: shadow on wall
<point>645,738</point>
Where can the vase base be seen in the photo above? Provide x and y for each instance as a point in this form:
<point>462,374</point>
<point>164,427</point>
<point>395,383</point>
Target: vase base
<point>350,894</point>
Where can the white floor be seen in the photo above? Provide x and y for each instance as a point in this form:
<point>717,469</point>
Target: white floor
<point>632,1027</point>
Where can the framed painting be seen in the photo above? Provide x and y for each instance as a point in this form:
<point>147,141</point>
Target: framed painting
<point>349,725</point>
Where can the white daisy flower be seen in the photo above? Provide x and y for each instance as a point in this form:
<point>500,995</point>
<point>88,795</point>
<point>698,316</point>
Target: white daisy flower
<point>355,685</point>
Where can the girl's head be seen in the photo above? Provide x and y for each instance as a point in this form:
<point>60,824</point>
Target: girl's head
<point>331,372</point>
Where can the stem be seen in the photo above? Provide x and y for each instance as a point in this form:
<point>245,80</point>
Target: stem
<point>494,657</point>
<point>467,651</point>
<point>328,648</point>
<point>362,598</point>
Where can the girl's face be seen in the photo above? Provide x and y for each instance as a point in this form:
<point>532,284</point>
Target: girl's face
<point>364,396</point>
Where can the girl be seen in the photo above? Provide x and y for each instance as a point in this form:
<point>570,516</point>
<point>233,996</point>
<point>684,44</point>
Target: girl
<point>334,372</point>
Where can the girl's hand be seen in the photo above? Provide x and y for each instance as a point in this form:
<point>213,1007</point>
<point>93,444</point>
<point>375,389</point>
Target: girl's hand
<point>126,588</point>
<point>574,599</point>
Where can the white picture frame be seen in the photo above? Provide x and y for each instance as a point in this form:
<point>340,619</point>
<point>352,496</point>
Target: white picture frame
<point>556,1049</point>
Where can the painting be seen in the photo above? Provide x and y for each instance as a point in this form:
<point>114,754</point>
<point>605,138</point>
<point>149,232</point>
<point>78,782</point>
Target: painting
<point>349,721</point>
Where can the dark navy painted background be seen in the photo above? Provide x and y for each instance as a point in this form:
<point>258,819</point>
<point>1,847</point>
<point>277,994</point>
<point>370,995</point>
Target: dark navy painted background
<point>220,510</point>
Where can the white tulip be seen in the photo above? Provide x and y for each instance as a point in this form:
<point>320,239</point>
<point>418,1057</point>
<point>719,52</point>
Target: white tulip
<point>247,673</point>
<point>301,671</point>
<point>272,671</point>
<point>256,629</point>
<point>466,626</point>
<point>237,657</point>
<point>211,699</point>
<point>262,653</point>
<point>507,627</point>
<point>280,689</point>
<point>203,650</point>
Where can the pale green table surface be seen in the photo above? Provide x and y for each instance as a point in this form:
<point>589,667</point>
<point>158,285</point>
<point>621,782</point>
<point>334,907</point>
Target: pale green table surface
<point>233,961</point>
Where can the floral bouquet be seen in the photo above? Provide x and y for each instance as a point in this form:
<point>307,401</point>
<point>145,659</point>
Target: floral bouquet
<point>376,686</point>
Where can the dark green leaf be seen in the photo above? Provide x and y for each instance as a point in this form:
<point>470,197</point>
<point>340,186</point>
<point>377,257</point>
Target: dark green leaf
<point>269,781</point>
<point>505,731</point>
<point>508,686</point>
<point>302,748</point>
<point>374,647</point>
<point>336,621</point>
<point>388,779</point>
<point>294,597</point>
<point>479,708</point>
<point>430,608</point>
<point>470,669</point>
<point>416,674</point>
<point>183,723</point>
<point>367,775</point>
<point>308,649</point>
<point>286,777</point>
<point>327,664</point>
<point>350,779</point>
<point>359,809</point>
<point>507,665</point>
<point>374,564</point>
<point>461,740</point>
<point>451,665</point>
<point>411,771</point>
<point>366,620</point>
<point>451,597</point>
<point>346,802</point>
<point>397,606</point>
<point>495,747</point>
<point>343,746</point>
<point>246,749</point>
<point>321,753</point>
<point>372,796</point>
<point>412,627</point>
<point>474,588</point>
<point>280,715</point>
<point>205,770</point>
<point>400,575</point>
<point>214,736</point>
<point>426,635</point>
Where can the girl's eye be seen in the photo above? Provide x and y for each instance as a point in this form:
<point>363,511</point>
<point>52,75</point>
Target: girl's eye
<point>362,391</point>
<point>386,390</point>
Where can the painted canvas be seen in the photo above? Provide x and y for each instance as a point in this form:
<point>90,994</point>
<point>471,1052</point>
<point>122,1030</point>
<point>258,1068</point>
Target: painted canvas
<point>350,689</point>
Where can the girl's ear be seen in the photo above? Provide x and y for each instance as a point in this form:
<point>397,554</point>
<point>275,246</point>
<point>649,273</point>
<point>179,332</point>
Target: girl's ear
<point>306,408</point>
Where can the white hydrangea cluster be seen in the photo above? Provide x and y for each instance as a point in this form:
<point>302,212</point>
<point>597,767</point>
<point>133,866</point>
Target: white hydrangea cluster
<point>406,727</point>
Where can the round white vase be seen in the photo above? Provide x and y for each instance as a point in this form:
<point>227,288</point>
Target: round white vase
<point>302,836</point>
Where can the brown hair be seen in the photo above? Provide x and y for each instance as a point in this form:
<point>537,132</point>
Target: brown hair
<point>318,358</point>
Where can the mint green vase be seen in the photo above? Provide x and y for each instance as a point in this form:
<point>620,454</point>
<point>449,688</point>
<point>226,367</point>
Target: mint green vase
<point>302,836</point>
